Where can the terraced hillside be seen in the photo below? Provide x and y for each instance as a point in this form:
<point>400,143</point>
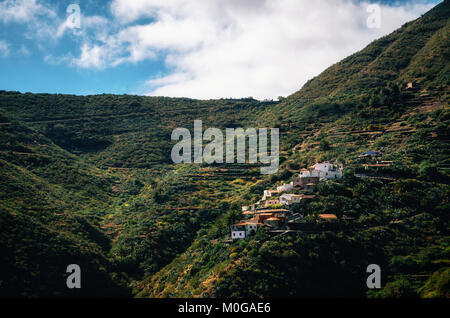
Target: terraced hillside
<point>103,161</point>
<point>89,180</point>
<point>401,208</point>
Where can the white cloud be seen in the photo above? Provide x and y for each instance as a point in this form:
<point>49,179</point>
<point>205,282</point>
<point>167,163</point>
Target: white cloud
<point>247,48</point>
<point>55,60</point>
<point>42,23</point>
<point>4,48</point>
<point>88,24</point>
<point>39,18</point>
<point>241,48</point>
<point>129,11</point>
<point>23,50</point>
<point>214,48</point>
<point>91,56</point>
<point>169,79</point>
<point>23,11</point>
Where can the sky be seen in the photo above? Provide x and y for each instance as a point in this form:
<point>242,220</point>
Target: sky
<point>186,48</point>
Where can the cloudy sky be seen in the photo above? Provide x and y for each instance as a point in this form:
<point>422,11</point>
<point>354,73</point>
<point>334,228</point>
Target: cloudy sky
<point>191,48</point>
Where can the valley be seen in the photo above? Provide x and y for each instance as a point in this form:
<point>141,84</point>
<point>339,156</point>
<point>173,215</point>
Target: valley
<point>89,180</point>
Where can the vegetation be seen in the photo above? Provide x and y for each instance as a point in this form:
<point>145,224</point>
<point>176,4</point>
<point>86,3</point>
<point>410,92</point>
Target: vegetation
<point>89,180</point>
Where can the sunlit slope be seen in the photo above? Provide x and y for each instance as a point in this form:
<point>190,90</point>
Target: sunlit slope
<point>358,104</point>
<point>418,52</point>
<point>51,206</point>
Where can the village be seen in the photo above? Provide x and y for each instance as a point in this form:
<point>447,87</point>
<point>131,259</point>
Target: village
<point>279,210</point>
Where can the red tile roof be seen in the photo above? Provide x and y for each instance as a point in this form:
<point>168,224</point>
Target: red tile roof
<point>272,211</point>
<point>328,216</point>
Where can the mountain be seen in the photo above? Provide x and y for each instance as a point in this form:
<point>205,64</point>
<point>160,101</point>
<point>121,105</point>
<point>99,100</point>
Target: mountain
<point>358,104</point>
<point>89,180</point>
<point>86,180</point>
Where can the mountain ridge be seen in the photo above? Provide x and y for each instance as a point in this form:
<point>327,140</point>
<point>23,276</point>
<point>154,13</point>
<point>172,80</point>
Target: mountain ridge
<point>89,180</point>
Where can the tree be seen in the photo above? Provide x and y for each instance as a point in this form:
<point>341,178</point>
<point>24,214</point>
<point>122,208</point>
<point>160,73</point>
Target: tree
<point>427,170</point>
<point>324,145</point>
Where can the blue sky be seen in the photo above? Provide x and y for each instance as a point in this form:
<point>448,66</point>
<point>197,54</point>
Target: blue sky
<point>200,49</point>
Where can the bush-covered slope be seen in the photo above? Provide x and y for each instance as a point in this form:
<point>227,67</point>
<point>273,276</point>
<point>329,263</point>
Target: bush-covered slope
<point>356,105</point>
<point>93,172</point>
<point>404,52</point>
<point>89,180</point>
<point>51,205</point>
<point>122,131</point>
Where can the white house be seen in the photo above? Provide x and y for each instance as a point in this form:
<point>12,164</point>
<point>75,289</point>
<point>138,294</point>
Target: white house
<point>243,229</point>
<point>288,199</point>
<point>308,173</point>
<point>269,193</point>
<point>302,181</point>
<point>323,170</point>
<point>285,187</point>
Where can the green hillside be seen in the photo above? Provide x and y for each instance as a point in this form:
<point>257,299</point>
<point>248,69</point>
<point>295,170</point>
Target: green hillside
<point>89,180</point>
<point>51,205</point>
<point>96,168</point>
<point>356,105</point>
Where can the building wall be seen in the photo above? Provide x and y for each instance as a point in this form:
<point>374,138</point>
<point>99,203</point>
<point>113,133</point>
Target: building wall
<point>285,187</point>
<point>237,234</point>
<point>302,180</point>
<point>250,227</point>
<point>289,199</point>
<point>324,166</point>
<point>284,200</point>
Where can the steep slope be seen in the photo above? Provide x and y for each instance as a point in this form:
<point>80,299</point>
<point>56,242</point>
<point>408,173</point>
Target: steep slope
<point>389,59</point>
<point>356,105</point>
<point>92,172</point>
<point>45,194</point>
<point>88,180</point>
<point>122,131</point>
